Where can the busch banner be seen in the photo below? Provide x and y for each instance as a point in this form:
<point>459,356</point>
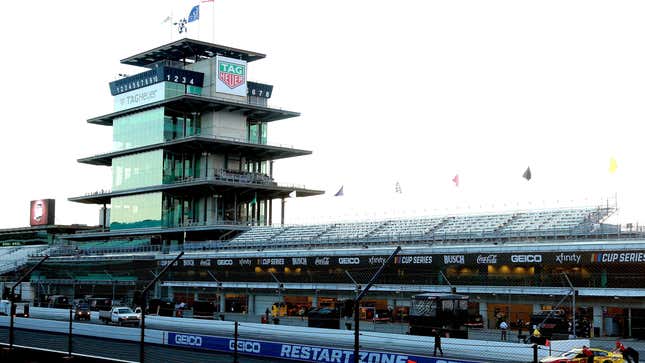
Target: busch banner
<point>230,76</point>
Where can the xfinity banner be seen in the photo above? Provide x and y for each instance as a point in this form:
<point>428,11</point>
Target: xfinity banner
<point>230,76</point>
<point>297,352</point>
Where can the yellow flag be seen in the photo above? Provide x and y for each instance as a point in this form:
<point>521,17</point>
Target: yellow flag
<point>613,165</point>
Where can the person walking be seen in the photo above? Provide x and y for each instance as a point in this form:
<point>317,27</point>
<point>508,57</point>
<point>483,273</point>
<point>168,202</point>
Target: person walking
<point>587,353</point>
<point>437,342</point>
<point>520,326</point>
<point>503,326</point>
<point>628,353</point>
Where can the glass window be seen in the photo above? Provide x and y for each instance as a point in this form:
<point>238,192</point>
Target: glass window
<point>178,89</point>
<point>263,137</point>
<point>138,129</point>
<point>447,305</point>
<point>136,211</point>
<point>138,170</point>
<point>253,133</point>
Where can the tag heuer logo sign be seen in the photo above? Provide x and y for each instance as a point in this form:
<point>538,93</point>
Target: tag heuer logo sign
<point>231,74</point>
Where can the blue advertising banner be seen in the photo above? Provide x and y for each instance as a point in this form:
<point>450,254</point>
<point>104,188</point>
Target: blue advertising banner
<point>297,352</point>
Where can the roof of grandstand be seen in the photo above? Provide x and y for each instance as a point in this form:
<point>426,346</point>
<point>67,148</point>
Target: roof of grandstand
<point>22,235</point>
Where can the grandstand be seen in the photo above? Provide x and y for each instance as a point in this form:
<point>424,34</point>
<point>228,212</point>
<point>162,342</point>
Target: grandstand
<point>12,258</point>
<point>548,224</point>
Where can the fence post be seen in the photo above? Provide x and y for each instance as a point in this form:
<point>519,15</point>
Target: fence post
<point>535,353</point>
<point>235,341</point>
<point>69,337</point>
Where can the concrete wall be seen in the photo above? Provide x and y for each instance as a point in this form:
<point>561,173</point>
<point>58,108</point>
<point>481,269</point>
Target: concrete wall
<point>224,124</point>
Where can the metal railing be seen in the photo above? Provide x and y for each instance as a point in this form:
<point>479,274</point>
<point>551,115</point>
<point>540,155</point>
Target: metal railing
<point>224,175</point>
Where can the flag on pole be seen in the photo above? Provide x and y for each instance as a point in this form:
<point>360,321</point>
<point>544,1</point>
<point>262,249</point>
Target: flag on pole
<point>527,174</point>
<point>292,194</point>
<point>339,193</point>
<point>613,165</point>
<point>181,26</point>
<point>167,19</point>
<point>397,188</point>
<point>194,14</point>
<point>456,180</point>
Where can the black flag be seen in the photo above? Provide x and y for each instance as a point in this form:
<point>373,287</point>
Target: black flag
<point>527,174</point>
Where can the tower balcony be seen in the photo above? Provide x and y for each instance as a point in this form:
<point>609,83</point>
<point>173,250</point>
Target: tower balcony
<point>214,181</point>
<point>209,143</point>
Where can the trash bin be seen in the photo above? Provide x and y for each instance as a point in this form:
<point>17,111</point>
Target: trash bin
<point>263,319</point>
<point>348,326</point>
<point>276,321</point>
<point>221,317</point>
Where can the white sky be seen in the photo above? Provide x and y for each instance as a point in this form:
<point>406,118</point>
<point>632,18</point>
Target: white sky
<point>407,91</point>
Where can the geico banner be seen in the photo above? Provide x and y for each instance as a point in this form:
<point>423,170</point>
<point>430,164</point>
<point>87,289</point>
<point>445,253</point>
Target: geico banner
<point>230,76</point>
<point>139,97</point>
<point>297,352</point>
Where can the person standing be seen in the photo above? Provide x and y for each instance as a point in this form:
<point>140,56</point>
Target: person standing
<point>437,342</point>
<point>520,326</point>
<point>587,353</point>
<point>503,326</point>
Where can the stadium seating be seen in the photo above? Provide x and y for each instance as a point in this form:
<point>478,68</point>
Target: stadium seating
<point>549,220</point>
<point>470,226</point>
<point>343,231</point>
<point>407,227</point>
<point>256,234</point>
<point>411,231</point>
<point>302,233</point>
<point>419,230</point>
<point>17,257</point>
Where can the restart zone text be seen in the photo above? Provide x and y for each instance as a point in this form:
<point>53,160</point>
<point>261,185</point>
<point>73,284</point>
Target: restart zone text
<point>298,352</point>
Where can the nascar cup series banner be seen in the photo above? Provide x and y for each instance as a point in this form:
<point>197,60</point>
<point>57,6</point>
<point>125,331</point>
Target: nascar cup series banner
<point>296,352</point>
<point>230,76</point>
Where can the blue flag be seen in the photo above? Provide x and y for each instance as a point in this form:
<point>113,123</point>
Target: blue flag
<point>194,14</point>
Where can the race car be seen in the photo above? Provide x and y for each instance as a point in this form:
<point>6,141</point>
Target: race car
<point>576,356</point>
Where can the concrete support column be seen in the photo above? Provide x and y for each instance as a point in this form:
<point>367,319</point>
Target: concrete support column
<point>170,293</point>
<point>222,302</point>
<point>483,311</point>
<point>211,209</point>
<point>314,300</point>
<point>597,319</point>
<point>250,306</point>
<point>629,322</point>
<point>196,295</point>
<point>156,290</point>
